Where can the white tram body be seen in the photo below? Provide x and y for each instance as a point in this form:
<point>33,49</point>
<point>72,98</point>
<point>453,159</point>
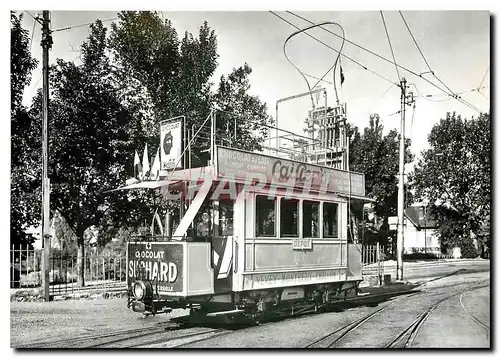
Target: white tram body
<point>256,232</point>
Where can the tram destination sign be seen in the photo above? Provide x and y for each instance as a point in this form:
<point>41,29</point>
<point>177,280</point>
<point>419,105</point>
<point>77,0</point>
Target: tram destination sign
<point>244,165</point>
<point>158,262</point>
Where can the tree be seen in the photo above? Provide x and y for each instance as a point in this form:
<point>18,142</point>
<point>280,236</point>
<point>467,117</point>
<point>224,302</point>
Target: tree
<point>171,76</point>
<point>174,79</point>
<point>454,176</point>
<point>377,156</point>
<point>25,168</point>
<point>89,139</point>
<point>236,107</point>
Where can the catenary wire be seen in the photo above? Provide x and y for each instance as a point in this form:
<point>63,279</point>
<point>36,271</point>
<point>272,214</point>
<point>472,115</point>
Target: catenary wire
<point>32,33</point>
<point>415,41</point>
<point>34,18</point>
<point>331,48</point>
<point>484,77</point>
<point>390,45</point>
<point>387,60</point>
<point>82,25</point>
<point>433,73</point>
<point>317,78</point>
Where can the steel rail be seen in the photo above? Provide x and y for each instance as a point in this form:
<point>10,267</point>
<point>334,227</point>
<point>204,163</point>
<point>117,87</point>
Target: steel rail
<point>412,330</point>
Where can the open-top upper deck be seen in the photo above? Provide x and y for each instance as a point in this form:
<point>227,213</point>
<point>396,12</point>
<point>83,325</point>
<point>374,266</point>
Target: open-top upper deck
<point>318,162</point>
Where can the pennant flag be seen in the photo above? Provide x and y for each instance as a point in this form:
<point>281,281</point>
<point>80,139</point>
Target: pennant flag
<point>155,168</point>
<point>156,218</point>
<point>158,221</point>
<point>145,163</point>
<point>137,166</point>
<point>342,78</point>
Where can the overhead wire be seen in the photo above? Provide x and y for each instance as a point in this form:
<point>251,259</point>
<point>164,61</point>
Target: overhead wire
<point>32,33</point>
<point>331,48</point>
<point>421,95</point>
<point>383,95</point>
<point>415,41</point>
<point>484,77</point>
<point>82,25</point>
<point>390,45</point>
<point>34,18</point>
<point>385,59</point>
<point>454,95</point>
<point>317,78</point>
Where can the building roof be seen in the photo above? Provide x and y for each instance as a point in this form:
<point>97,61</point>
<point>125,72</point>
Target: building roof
<point>420,217</point>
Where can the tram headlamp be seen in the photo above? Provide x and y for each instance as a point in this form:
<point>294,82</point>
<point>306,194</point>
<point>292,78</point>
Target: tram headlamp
<point>139,290</point>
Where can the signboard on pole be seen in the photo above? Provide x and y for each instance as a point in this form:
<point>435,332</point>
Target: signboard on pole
<point>171,144</point>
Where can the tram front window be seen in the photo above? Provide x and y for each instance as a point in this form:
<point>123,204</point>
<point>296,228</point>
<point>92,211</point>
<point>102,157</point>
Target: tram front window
<point>265,216</point>
<point>310,217</point>
<point>289,217</point>
<point>330,220</point>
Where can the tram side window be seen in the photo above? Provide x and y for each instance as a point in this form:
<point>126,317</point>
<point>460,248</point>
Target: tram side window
<point>289,218</point>
<point>265,216</point>
<point>330,220</point>
<point>310,217</point>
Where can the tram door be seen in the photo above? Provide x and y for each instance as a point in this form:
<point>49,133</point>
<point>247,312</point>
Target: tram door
<point>214,223</point>
<point>222,245</point>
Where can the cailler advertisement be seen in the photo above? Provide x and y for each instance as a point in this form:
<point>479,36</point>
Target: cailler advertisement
<point>238,164</point>
<point>171,144</point>
<point>160,263</point>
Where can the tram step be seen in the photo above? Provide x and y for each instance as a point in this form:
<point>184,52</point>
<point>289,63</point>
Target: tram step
<point>224,313</point>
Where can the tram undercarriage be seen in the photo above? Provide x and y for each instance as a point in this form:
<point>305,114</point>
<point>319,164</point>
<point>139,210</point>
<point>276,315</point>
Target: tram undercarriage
<point>253,305</point>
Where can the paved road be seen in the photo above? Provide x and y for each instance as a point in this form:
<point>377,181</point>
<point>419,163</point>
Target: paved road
<point>459,319</point>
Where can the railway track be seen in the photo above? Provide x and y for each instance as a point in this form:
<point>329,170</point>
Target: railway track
<point>170,335</point>
<point>93,341</point>
<point>332,338</point>
<point>406,337</point>
<point>477,320</point>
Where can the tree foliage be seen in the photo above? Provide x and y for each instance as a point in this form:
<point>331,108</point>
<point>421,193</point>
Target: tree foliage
<point>25,205</point>
<point>377,156</point>
<point>241,116</point>
<point>454,176</point>
<point>89,142</point>
<point>110,105</point>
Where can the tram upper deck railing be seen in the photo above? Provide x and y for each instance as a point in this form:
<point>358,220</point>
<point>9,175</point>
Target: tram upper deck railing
<point>328,149</point>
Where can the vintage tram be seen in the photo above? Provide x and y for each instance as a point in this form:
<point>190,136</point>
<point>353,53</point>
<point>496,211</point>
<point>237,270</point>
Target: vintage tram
<point>257,232</point>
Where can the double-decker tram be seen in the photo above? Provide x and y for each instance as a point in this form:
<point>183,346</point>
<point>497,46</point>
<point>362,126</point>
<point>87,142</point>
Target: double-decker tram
<point>256,232</point>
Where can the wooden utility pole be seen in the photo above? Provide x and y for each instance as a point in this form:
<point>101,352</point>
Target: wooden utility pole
<point>46,46</point>
<point>401,193</point>
<point>405,100</point>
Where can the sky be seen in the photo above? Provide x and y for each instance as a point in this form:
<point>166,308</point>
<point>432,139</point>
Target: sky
<point>455,44</point>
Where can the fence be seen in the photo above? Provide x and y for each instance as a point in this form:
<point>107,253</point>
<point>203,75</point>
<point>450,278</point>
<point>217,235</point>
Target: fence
<point>373,260</point>
<point>101,270</point>
<point>109,271</point>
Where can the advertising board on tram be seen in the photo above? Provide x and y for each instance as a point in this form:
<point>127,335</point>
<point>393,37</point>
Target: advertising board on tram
<point>241,165</point>
<point>159,262</point>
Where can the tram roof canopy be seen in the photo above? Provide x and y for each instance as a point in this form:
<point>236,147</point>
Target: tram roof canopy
<point>147,185</point>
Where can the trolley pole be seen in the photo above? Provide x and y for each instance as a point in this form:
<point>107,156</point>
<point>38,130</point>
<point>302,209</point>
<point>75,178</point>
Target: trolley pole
<point>46,45</point>
<point>401,193</point>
